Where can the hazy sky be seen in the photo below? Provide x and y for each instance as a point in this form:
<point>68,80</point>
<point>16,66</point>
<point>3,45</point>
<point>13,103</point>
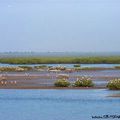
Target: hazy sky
<point>60,25</point>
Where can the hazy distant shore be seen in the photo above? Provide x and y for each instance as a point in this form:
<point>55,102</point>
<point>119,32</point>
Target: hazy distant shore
<point>57,54</point>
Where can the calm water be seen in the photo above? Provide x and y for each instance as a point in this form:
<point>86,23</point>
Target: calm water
<point>57,104</point>
<point>67,65</point>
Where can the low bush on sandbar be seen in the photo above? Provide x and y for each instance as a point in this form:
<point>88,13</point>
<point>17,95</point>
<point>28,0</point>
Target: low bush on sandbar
<point>114,84</point>
<point>77,68</point>
<point>57,68</point>
<point>11,69</point>
<point>26,68</point>
<point>62,83</point>
<point>40,67</point>
<point>117,67</point>
<point>83,82</point>
<point>77,65</point>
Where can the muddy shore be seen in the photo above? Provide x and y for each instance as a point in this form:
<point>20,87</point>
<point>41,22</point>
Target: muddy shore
<point>41,80</point>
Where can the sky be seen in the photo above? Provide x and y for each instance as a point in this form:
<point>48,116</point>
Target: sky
<point>60,25</point>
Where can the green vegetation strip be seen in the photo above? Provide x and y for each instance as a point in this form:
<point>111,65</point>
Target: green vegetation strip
<point>62,60</point>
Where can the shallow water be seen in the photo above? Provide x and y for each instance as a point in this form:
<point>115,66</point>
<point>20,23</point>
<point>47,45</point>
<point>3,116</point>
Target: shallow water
<point>57,104</point>
<point>66,65</point>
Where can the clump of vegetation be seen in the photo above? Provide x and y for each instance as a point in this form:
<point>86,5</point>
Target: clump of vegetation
<point>62,83</point>
<point>114,84</point>
<point>83,82</point>
<point>77,65</point>
<point>15,69</point>
<point>77,68</point>
<point>57,68</point>
<point>2,69</point>
<point>26,68</point>
<point>11,69</point>
<point>40,67</point>
<point>117,67</point>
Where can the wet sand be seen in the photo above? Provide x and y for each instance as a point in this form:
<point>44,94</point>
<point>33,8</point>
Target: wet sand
<point>44,81</point>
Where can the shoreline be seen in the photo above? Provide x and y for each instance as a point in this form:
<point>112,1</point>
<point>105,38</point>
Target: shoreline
<point>50,87</point>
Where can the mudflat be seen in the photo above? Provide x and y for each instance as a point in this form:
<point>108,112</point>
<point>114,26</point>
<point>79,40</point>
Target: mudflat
<point>45,80</point>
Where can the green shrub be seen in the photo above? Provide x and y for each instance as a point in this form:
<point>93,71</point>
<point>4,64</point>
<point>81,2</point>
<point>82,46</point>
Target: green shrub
<point>114,84</point>
<point>11,69</point>
<point>26,68</point>
<point>77,65</point>
<point>77,68</point>
<point>62,83</point>
<point>40,67</point>
<point>7,69</point>
<point>117,67</point>
<point>57,68</point>
<point>83,82</point>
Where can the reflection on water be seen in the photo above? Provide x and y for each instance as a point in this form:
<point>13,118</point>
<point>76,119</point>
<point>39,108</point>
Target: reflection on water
<point>115,95</point>
<point>56,104</point>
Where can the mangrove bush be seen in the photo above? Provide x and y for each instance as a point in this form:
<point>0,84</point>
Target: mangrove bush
<point>83,82</point>
<point>62,83</point>
<point>114,84</point>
